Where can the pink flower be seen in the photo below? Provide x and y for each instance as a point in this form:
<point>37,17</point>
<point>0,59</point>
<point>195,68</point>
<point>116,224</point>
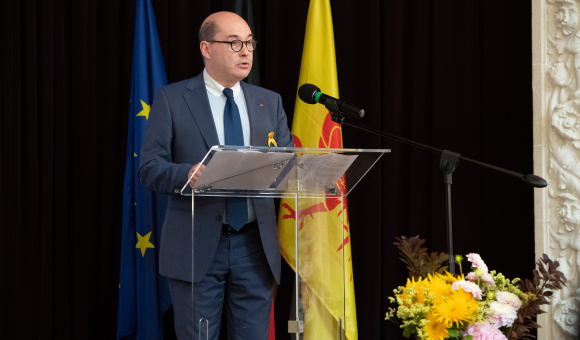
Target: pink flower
<point>469,287</point>
<point>484,331</point>
<point>486,278</point>
<point>510,299</point>
<point>477,262</point>
<point>471,277</point>
<point>502,314</point>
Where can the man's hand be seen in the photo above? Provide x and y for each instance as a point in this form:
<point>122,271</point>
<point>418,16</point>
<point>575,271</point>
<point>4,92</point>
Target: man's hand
<point>197,174</point>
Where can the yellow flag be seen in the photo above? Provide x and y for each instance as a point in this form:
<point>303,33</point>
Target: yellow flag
<point>324,230</point>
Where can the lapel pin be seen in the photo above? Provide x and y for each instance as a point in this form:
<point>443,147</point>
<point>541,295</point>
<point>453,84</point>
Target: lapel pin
<point>261,105</point>
<point>271,139</point>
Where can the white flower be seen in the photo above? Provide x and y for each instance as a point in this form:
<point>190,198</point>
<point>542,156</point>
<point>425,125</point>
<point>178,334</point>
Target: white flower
<point>469,287</point>
<point>502,314</point>
<point>471,277</point>
<point>488,280</point>
<point>477,262</point>
<point>510,299</point>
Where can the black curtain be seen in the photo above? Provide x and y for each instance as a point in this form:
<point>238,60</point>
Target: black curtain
<point>453,74</point>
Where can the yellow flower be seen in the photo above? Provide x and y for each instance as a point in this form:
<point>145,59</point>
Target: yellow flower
<point>435,330</point>
<point>459,307</point>
<point>450,278</point>
<point>439,288</point>
<point>464,295</point>
<point>417,286</point>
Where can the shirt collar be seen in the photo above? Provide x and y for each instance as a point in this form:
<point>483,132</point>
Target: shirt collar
<point>216,88</point>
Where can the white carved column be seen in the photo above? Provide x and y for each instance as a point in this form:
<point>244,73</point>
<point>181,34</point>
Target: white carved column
<point>556,88</point>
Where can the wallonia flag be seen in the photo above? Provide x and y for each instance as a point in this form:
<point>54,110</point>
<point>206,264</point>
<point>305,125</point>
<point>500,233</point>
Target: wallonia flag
<point>323,223</point>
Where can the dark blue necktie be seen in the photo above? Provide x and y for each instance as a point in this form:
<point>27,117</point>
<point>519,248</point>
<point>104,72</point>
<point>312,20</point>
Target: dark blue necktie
<point>236,207</point>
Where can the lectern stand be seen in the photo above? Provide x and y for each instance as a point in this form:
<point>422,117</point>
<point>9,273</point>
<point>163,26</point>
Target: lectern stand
<point>309,181</point>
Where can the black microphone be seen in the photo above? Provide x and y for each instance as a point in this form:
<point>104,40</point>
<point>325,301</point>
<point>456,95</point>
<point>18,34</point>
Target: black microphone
<point>310,94</point>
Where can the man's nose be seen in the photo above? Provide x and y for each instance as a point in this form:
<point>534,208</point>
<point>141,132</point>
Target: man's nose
<point>244,51</point>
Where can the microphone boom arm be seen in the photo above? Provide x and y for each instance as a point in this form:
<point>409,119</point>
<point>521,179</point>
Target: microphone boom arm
<point>530,179</point>
<point>447,165</point>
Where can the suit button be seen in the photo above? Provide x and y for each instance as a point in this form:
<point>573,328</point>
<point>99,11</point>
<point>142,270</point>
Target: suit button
<point>177,191</point>
<point>218,218</point>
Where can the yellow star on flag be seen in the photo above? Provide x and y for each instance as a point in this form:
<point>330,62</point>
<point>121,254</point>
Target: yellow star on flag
<point>145,111</point>
<point>144,243</point>
<point>134,154</point>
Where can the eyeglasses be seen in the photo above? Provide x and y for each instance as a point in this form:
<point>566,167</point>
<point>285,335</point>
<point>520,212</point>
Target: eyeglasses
<point>237,45</point>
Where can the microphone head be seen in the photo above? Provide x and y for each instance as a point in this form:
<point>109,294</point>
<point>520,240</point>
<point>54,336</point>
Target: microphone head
<point>534,181</point>
<point>306,93</point>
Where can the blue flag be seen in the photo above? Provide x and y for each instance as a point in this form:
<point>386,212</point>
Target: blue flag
<point>143,293</point>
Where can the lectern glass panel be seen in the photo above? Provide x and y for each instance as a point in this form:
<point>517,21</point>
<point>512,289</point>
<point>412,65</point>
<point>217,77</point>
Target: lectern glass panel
<point>312,226</point>
<point>273,172</point>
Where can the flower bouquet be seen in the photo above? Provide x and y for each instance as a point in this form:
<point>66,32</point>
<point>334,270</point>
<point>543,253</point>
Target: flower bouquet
<point>482,305</point>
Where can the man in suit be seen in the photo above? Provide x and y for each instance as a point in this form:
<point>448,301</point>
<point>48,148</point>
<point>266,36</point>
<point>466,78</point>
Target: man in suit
<point>236,250</point>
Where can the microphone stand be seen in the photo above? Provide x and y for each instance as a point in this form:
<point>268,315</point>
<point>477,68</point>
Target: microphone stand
<point>448,163</point>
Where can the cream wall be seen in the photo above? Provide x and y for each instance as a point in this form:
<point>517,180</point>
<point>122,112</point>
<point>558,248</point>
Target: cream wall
<point>556,88</point>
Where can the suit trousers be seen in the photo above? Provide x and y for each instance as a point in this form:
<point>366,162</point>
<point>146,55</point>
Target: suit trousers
<point>240,281</point>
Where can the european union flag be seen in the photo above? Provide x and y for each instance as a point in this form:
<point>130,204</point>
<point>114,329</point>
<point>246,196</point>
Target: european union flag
<point>143,293</point>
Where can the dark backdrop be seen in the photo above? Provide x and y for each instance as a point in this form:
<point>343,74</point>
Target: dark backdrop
<point>454,74</point>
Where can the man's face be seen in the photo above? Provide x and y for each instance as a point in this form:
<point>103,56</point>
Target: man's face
<point>227,65</point>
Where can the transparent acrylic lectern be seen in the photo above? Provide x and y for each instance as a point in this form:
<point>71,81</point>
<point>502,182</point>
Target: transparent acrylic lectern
<point>313,230</point>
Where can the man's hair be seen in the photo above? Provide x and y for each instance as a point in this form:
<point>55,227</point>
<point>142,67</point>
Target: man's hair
<point>207,31</point>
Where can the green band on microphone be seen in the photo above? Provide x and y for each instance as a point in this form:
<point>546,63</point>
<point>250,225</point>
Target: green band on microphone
<point>317,96</point>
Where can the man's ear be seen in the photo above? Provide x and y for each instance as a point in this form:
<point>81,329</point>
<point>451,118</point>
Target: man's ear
<point>204,47</point>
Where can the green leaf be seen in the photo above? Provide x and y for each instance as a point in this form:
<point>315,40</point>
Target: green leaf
<point>453,333</point>
<point>408,331</point>
<point>468,337</point>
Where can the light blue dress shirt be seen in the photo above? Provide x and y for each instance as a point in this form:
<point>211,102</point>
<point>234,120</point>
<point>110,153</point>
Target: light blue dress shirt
<point>217,103</point>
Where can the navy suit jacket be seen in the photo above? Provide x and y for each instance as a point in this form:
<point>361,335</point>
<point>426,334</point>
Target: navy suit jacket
<point>180,131</point>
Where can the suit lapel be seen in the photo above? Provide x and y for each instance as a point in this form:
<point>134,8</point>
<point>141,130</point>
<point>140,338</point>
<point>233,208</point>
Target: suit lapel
<point>257,136</point>
<point>196,99</point>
